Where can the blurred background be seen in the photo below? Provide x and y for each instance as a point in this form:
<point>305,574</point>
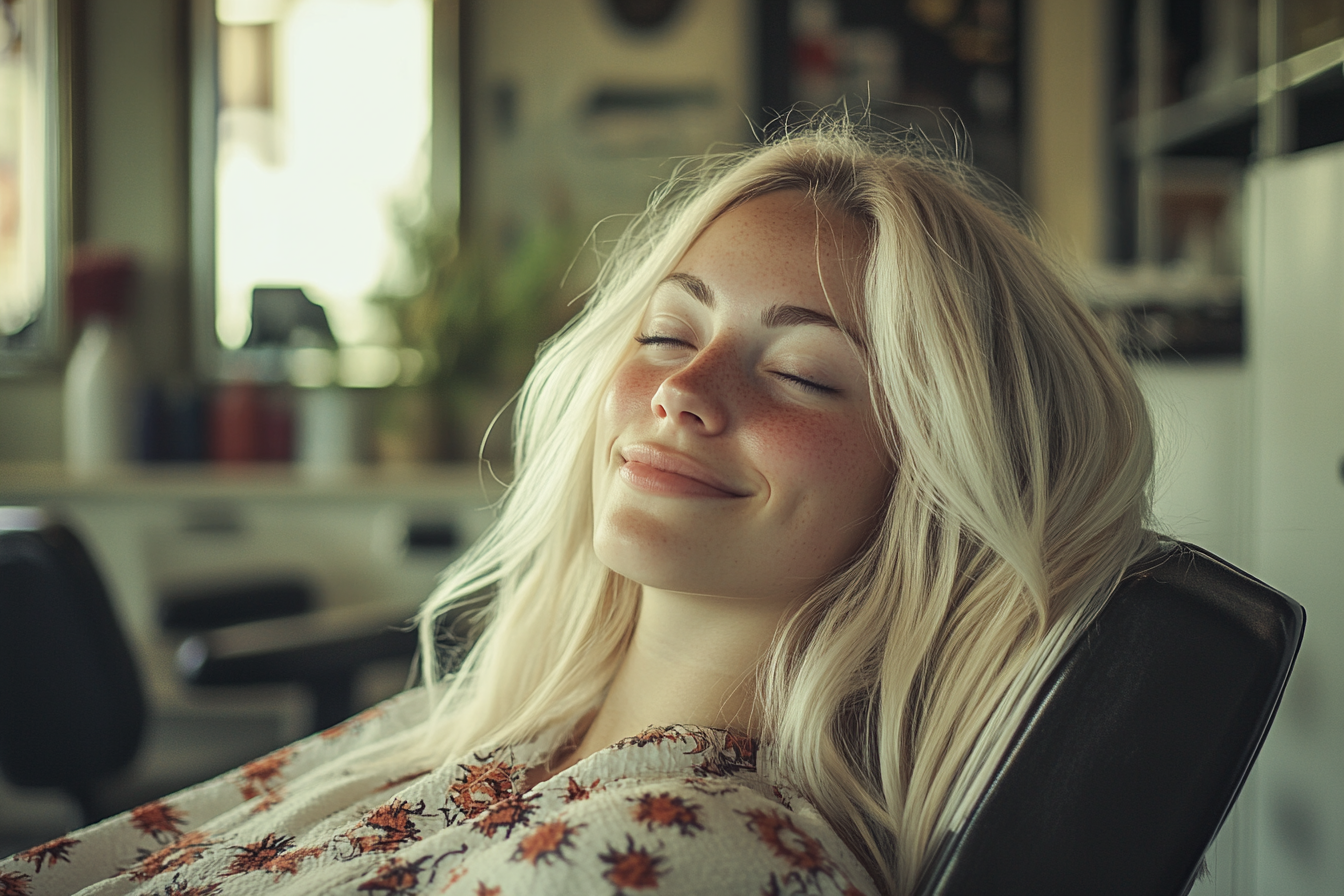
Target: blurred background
<point>270,268</point>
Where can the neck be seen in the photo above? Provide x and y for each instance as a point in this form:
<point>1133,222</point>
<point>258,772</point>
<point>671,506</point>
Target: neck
<point>694,660</point>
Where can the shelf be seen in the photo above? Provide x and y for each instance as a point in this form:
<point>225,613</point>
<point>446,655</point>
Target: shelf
<point>1232,104</point>
<point>1166,314</point>
<point>1303,67</point>
<point>38,483</point>
<point>1204,118</point>
<point>1136,284</point>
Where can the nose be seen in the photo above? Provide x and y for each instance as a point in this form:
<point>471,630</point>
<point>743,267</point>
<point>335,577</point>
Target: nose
<point>695,394</point>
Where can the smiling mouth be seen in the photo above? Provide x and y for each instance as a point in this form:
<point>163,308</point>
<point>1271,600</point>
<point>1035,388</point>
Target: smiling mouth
<point>652,469</point>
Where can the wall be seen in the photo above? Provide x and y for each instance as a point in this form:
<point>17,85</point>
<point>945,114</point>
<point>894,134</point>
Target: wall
<point>1201,418</point>
<point>1066,60</point>
<point>134,193</point>
<point>538,148</point>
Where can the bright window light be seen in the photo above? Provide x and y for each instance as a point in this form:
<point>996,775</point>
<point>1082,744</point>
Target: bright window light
<point>323,140</point>
<point>23,178</point>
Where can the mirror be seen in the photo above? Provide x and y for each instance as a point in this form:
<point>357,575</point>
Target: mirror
<point>34,166</point>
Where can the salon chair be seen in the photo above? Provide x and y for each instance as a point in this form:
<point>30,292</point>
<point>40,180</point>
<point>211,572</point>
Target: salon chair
<point>72,711</point>
<point>321,650</point>
<point>1131,756</point>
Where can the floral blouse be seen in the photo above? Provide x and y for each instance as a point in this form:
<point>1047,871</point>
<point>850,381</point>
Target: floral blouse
<point>677,810</point>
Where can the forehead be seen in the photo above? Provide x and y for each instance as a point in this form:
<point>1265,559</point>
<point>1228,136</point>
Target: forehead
<point>783,247</point>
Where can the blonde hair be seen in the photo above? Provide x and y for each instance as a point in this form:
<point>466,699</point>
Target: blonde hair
<point>1022,453</point>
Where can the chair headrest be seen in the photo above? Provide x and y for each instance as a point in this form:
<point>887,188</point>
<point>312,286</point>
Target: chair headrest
<point>1139,742</point>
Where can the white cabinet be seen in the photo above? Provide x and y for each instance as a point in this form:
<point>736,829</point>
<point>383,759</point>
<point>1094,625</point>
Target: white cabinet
<point>1295,285</point>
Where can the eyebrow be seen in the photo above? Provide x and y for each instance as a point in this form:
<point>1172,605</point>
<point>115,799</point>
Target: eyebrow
<point>774,316</point>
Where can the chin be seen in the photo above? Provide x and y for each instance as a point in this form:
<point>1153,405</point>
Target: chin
<point>642,549</point>
<point>666,565</point>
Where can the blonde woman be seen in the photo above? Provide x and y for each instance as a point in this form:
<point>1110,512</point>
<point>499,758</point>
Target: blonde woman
<point>808,500</point>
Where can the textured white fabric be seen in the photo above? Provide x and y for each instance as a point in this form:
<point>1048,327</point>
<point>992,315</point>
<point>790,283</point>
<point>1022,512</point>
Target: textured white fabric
<point>676,810</point>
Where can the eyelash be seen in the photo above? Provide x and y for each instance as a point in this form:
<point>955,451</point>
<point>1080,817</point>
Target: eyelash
<point>804,384</point>
<point>659,340</point>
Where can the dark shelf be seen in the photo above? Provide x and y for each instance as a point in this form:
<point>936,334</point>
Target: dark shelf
<point>1233,138</point>
<point>1222,122</point>
<point>1320,109</point>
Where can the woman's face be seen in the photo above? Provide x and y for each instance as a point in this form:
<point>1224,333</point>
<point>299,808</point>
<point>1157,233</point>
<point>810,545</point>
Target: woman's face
<point>737,449</point>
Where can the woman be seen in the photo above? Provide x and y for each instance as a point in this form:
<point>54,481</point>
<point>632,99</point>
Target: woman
<point>832,462</point>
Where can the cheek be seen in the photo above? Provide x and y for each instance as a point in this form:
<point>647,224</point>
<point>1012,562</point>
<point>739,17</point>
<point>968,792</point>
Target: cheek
<point>627,400</point>
<point>812,449</point>
<point>832,481</point>
<point>630,395</point>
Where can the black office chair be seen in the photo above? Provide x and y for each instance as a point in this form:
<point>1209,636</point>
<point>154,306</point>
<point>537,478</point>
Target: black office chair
<point>1133,753</point>
<point>72,711</point>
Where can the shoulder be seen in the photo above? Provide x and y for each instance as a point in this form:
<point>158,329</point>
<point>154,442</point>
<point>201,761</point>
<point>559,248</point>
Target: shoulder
<point>694,835</point>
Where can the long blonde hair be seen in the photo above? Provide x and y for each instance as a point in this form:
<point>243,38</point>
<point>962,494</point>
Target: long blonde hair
<point>1022,453</point>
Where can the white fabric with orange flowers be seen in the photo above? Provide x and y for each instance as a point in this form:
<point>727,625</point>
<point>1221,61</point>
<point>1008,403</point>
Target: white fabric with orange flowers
<point>677,810</point>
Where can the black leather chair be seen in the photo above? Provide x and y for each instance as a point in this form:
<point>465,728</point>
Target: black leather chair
<point>1133,753</point>
<point>72,708</point>
<point>322,650</point>
<point>72,711</point>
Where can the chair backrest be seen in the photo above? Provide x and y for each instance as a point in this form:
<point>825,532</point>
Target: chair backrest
<point>1137,746</point>
<point>72,709</point>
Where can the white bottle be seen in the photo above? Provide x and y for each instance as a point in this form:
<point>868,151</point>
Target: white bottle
<point>324,438</point>
<point>98,399</point>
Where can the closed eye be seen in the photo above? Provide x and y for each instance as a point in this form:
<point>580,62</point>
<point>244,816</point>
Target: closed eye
<point>801,382</point>
<point>806,384</point>
<point>660,340</point>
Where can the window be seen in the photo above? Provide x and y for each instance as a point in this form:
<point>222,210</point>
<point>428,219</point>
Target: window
<point>321,144</point>
<point>32,198</point>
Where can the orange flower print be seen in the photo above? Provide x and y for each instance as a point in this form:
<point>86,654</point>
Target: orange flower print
<point>268,799</point>
<point>159,820</point>
<point>742,747</point>
<point>738,755</point>
<point>481,787</point>
<point>787,841</point>
<point>394,826</point>
<point>547,841</point>
<point>14,883</point>
<point>351,723</point>
<point>665,810</point>
<point>261,778</point>
<point>634,869</point>
<point>53,851</point>
<point>657,734</point>
<point>395,876</point>
<point>574,791</point>
<point>455,873</point>
<point>483,890</point>
<point>178,854</point>
<point>506,814</point>
<point>271,853</point>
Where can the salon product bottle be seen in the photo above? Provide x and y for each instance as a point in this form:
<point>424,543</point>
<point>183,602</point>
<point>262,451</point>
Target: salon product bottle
<point>98,379</point>
<point>98,398</point>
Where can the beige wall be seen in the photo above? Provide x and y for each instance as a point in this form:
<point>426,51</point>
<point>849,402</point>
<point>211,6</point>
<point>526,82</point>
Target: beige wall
<point>1064,152</point>
<point>135,179</point>
<point>553,55</point>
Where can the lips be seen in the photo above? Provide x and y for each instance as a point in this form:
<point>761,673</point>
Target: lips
<point>655,469</point>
